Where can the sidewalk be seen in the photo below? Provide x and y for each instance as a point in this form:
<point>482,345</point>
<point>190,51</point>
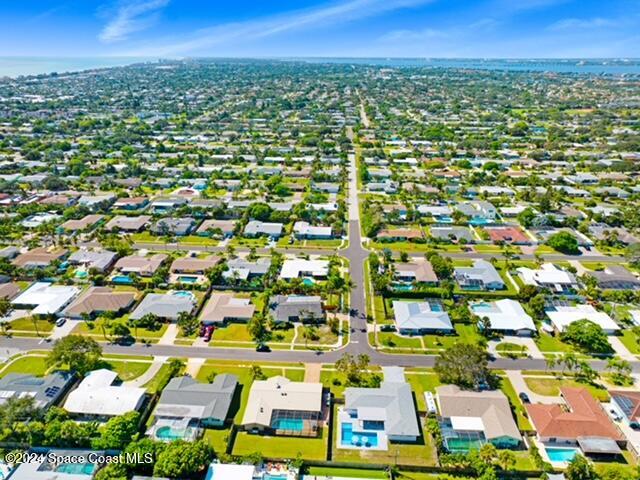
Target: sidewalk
<point>620,349</point>
<point>193,366</point>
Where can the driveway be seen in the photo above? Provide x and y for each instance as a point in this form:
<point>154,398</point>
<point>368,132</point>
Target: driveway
<point>516,379</point>
<point>64,330</point>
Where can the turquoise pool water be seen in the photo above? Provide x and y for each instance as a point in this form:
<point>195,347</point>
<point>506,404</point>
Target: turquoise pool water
<point>401,287</point>
<point>274,477</point>
<point>444,219</point>
<point>481,307</point>
<point>182,293</point>
<point>561,454</point>
<point>122,280</point>
<point>169,433</point>
<point>291,424</point>
<point>82,274</point>
<point>187,279</point>
<point>76,468</point>
<point>357,439</point>
<point>308,282</point>
<point>478,221</point>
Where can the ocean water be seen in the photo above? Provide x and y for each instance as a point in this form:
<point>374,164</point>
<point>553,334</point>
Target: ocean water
<point>17,66</point>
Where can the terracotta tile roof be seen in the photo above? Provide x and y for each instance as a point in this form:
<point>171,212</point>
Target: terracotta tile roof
<point>507,234</point>
<point>583,418</point>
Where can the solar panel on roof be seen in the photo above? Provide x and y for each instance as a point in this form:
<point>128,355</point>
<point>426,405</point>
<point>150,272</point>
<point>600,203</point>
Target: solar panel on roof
<point>625,404</point>
<point>51,391</point>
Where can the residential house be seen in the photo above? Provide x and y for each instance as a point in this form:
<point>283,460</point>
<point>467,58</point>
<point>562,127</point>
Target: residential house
<point>561,316</point>
<point>46,391</point>
<point>296,308</point>
<point>505,316</point>
<point>128,224</point>
<point>469,419</point>
<point>626,405</point>
<point>167,204</point>
<point>166,306</point>
<point>550,277</point>
<point>97,260</point>
<point>246,270</point>
<point>174,226</point>
<point>452,234</point>
<point>303,230</point>
<point>100,397</point>
<point>39,257</point>
<point>44,298</point>
<point>98,300</point>
<point>400,234</point>
<point>211,227</point>
<point>187,405</point>
<point>225,307</point>
<point>255,228</point>
<point>481,276</point>
<point>131,203</point>
<point>421,318</point>
<point>298,267</point>
<point>85,223</point>
<point>279,406</point>
<point>580,422</point>
<point>513,235</point>
<point>373,417</point>
<point>419,272</point>
<point>616,277</point>
<point>143,266</point>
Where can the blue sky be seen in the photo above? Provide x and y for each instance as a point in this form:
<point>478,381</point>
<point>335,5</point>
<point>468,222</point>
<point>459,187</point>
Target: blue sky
<point>285,28</point>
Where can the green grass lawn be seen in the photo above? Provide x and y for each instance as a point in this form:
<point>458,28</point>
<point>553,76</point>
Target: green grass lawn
<point>234,332</point>
<point>28,324</point>
<point>197,240</point>
<point>346,473</point>
<point>218,438</point>
<point>630,340</point>
<point>421,383</point>
<point>549,343</point>
<point>249,242</point>
<point>83,328</point>
<point>551,387</point>
<point>127,370</point>
<point>159,380</point>
<point>282,447</point>
<point>28,364</point>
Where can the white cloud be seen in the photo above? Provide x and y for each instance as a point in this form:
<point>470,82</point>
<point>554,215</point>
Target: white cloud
<point>412,35</point>
<point>131,16</point>
<point>328,14</point>
<point>583,23</point>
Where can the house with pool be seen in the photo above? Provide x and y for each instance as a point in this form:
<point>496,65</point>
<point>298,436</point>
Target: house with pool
<point>223,308</point>
<point>549,276</point>
<point>561,316</point>
<point>95,301</point>
<point>505,316</point>
<point>371,418</point>
<point>271,471</point>
<point>279,406</point>
<point>137,264</point>
<point>418,272</point>
<point>579,425</point>
<point>55,464</point>
<point>421,318</point>
<point>166,306</point>
<point>186,406</point>
<point>192,270</point>
<point>468,419</point>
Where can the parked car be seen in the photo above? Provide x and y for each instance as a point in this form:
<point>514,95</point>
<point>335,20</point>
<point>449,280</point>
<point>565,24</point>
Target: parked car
<point>208,332</point>
<point>61,321</point>
<point>263,348</point>
<point>524,397</point>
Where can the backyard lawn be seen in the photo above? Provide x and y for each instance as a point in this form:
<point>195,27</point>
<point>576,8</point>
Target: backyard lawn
<point>282,447</point>
<point>346,473</point>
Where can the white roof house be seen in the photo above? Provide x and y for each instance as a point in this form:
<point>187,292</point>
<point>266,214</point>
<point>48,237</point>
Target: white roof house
<point>304,268</point>
<point>563,316</point>
<point>304,229</point>
<point>505,315</point>
<point>548,276</point>
<point>419,316</point>
<point>46,298</point>
<point>97,396</point>
<point>435,210</point>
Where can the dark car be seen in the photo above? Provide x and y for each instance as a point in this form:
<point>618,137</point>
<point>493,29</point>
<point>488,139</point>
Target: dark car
<point>263,348</point>
<point>524,397</point>
<point>208,332</point>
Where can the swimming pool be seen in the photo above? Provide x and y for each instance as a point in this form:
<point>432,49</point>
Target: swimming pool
<point>481,307</point>
<point>349,438</point>
<point>183,293</point>
<point>76,468</point>
<point>478,221</point>
<point>81,274</point>
<point>563,454</point>
<point>170,433</point>
<point>122,280</point>
<point>443,219</point>
<point>308,282</point>
<point>291,424</point>
<point>187,279</point>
